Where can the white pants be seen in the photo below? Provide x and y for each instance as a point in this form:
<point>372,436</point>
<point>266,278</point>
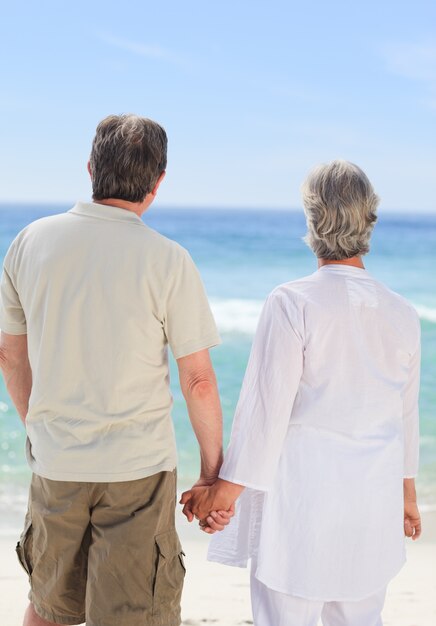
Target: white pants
<point>271,608</point>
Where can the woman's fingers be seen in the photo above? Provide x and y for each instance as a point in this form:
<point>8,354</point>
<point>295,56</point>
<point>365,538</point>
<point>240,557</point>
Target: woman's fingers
<point>221,517</point>
<point>412,528</point>
<point>215,521</point>
<point>205,527</point>
<point>417,529</point>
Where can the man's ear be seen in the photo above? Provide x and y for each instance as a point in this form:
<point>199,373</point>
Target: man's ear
<point>159,180</point>
<point>88,167</point>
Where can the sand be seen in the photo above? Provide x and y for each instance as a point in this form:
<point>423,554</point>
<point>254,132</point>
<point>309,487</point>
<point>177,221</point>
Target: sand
<point>217,595</point>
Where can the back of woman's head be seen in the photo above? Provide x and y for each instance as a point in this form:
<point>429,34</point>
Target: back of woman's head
<point>340,206</point>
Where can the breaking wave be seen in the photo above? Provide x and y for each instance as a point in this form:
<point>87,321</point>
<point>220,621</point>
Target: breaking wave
<point>235,315</point>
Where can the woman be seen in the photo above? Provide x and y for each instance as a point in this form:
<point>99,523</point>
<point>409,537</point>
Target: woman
<point>324,448</point>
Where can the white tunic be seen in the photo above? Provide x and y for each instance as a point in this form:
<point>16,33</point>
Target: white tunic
<point>325,430</point>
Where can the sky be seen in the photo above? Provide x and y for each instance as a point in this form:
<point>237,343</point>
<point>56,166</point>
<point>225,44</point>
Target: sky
<point>252,94</point>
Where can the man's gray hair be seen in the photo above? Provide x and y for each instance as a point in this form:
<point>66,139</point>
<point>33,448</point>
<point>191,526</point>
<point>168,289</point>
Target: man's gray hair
<point>340,206</point>
<point>128,155</point>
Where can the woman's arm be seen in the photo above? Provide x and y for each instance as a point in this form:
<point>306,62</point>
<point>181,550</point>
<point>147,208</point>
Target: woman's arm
<point>264,409</point>
<point>267,396</point>
<point>411,417</point>
<point>412,518</point>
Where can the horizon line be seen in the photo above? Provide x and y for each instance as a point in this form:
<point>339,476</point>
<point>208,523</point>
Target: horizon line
<point>209,207</point>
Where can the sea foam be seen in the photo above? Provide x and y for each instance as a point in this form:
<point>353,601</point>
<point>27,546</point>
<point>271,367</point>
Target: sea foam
<point>235,315</point>
<point>426,313</point>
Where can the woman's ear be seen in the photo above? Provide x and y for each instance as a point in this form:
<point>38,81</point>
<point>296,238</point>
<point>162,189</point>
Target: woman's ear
<point>88,167</point>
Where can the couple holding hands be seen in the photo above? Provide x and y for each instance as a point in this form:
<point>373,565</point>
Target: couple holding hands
<point>316,488</point>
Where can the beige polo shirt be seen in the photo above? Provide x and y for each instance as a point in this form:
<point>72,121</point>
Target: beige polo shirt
<point>100,296</point>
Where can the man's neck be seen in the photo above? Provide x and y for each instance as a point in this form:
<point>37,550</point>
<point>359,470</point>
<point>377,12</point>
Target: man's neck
<point>355,261</point>
<point>135,207</point>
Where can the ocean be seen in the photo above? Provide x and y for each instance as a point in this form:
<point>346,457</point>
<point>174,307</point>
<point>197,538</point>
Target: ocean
<point>242,255</point>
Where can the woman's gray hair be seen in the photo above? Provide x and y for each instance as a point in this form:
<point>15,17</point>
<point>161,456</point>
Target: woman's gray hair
<point>340,206</point>
<point>128,155</point>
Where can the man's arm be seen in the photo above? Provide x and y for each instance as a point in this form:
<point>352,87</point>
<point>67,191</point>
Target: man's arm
<point>15,366</point>
<point>200,390</point>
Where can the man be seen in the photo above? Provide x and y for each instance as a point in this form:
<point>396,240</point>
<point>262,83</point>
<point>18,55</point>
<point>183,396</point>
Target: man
<point>90,300</point>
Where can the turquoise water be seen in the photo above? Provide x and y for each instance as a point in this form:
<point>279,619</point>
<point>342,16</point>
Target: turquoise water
<point>242,255</point>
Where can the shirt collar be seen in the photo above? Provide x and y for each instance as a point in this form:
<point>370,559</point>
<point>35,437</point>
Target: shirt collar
<point>105,212</point>
<point>342,269</point>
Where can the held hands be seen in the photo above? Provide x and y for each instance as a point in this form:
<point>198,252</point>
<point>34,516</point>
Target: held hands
<point>213,505</point>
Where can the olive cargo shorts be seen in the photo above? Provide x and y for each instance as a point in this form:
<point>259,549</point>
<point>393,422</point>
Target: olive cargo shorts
<point>107,553</point>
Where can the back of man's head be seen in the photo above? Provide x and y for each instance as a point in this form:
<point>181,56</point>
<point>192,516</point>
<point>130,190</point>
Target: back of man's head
<point>128,155</point>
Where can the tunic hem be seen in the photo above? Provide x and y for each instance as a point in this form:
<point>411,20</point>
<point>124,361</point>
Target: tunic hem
<point>334,597</point>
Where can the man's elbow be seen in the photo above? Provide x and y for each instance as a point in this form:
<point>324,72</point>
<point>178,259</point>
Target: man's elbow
<point>200,386</point>
<point>4,359</point>
<point>13,353</point>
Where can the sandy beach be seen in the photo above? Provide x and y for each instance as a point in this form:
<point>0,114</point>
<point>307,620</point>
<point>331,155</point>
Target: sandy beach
<point>219,595</point>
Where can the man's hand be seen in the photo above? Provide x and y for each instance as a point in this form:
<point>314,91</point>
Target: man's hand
<point>201,482</point>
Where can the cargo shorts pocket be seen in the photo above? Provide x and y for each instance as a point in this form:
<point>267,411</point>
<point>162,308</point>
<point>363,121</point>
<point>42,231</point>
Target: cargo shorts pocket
<point>24,547</point>
<point>170,573</point>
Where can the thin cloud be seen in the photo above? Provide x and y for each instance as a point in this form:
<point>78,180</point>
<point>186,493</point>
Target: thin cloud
<point>416,61</point>
<point>149,51</point>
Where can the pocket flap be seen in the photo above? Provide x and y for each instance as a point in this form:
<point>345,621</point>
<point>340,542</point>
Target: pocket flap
<point>24,546</point>
<point>168,544</point>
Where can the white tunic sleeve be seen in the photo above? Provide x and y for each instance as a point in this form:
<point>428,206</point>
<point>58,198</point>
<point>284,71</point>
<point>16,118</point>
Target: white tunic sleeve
<point>411,417</point>
<point>267,396</point>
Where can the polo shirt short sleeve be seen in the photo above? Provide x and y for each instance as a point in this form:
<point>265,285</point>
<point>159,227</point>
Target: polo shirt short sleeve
<point>12,318</point>
<point>188,320</point>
